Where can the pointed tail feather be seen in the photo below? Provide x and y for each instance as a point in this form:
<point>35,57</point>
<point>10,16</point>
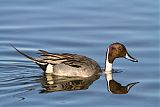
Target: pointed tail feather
<point>29,57</point>
<point>43,65</point>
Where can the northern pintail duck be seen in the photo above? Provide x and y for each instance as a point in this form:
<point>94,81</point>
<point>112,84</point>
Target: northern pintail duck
<point>77,65</point>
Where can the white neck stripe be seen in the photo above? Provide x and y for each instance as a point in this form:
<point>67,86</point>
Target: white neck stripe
<point>108,66</point>
<point>108,70</point>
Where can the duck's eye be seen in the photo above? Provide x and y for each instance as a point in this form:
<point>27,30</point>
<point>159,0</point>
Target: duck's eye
<point>120,49</point>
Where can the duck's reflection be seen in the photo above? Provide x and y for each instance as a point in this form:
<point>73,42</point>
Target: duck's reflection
<point>52,83</point>
<point>115,87</point>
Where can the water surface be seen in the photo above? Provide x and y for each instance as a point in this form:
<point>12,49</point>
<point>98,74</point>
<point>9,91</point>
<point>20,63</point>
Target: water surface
<point>84,27</point>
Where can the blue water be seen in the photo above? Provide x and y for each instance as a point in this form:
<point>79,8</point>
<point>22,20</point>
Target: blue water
<point>83,27</point>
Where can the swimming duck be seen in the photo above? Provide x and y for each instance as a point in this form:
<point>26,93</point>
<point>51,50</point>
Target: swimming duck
<point>77,65</point>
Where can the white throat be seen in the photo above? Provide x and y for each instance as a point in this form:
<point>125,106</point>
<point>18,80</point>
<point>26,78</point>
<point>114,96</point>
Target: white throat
<point>108,66</point>
<point>108,70</point>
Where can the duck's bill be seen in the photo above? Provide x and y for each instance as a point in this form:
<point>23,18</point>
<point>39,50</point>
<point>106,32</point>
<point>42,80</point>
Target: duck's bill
<point>130,58</point>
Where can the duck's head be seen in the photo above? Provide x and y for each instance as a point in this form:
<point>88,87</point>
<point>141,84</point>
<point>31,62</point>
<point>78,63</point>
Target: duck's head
<point>116,88</point>
<point>117,50</point>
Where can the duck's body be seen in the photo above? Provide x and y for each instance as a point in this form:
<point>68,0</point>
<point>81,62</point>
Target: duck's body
<point>68,64</point>
<point>78,65</point>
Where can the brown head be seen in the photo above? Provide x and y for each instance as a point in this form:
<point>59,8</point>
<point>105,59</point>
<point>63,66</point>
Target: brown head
<point>118,50</point>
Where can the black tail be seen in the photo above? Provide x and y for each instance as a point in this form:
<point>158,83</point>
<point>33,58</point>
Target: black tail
<point>29,57</point>
<point>43,65</point>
